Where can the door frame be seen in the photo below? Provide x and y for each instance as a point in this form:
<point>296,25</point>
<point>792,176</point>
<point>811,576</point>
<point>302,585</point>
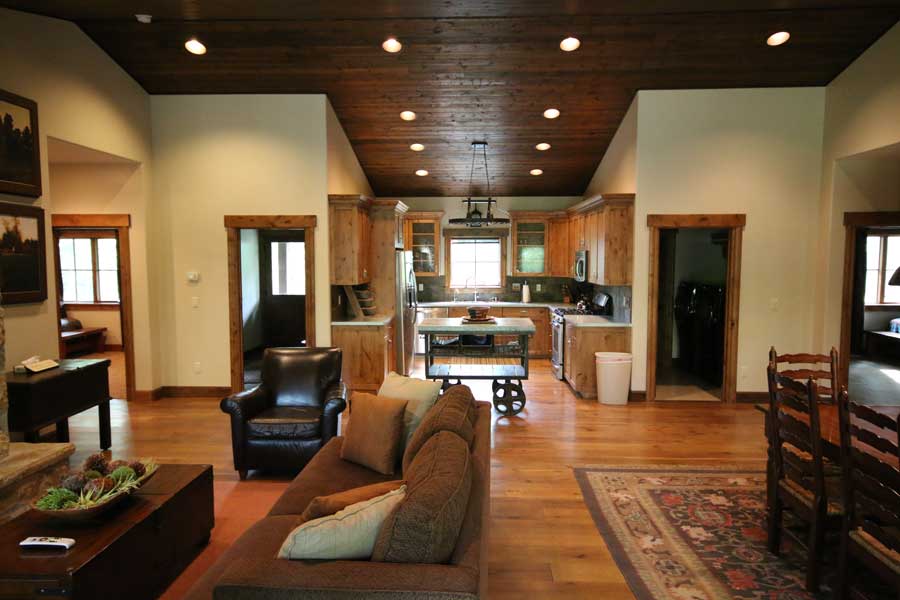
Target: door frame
<point>233,226</point>
<point>121,224</point>
<point>735,224</point>
<point>853,222</point>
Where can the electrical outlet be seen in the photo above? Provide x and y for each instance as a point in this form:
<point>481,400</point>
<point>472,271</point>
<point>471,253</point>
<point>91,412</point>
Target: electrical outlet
<point>773,304</point>
<point>195,301</point>
<point>743,371</point>
<point>421,287</point>
<point>197,369</point>
<point>517,287</point>
<point>538,287</point>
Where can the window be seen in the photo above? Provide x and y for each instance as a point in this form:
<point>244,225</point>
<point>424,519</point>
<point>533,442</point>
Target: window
<point>476,263</point>
<point>89,267</point>
<point>288,268</point>
<point>882,259</point>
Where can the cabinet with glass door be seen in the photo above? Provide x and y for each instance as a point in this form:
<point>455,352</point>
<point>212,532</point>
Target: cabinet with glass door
<point>529,241</point>
<point>422,235</point>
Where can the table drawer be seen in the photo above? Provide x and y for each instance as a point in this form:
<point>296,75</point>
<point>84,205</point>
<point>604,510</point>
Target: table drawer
<point>522,312</point>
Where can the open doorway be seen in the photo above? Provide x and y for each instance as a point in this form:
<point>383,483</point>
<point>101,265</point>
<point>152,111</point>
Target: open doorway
<point>692,324</point>
<point>693,265</point>
<point>273,294</point>
<point>271,289</point>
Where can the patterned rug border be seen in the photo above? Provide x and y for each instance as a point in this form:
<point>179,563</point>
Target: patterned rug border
<point>616,550</point>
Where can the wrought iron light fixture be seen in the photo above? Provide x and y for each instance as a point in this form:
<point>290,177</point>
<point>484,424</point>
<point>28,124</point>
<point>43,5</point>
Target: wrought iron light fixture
<point>895,278</point>
<point>474,217</point>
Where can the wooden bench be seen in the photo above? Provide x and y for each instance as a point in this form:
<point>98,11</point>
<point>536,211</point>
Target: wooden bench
<point>89,339</point>
<point>883,344</point>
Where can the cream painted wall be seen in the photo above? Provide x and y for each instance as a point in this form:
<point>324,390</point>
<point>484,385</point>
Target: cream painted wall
<point>345,175</point>
<point>862,113</point>
<point>752,151</point>
<point>453,207</point>
<point>83,97</point>
<point>617,172</point>
<point>235,154</point>
<point>100,318</point>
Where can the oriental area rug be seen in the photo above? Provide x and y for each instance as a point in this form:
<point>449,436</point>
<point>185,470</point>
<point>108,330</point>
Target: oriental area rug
<point>692,533</point>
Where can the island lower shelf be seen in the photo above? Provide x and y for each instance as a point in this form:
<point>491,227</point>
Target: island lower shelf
<point>476,372</point>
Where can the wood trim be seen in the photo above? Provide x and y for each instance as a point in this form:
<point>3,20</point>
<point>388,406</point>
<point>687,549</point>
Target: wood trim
<point>121,224</point>
<point>147,395</point>
<point>599,201</point>
<point>718,221</point>
<point>753,397</point>
<point>87,221</point>
<point>735,224</point>
<point>233,225</point>
<point>882,308</point>
<point>270,221</point>
<point>91,306</point>
<point>424,215</point>
<point>536,215</point>
<point>637,396</point>
<point>872,219</point>
<point>114,347</point>
<point>652,314</point>
<point>182,391</point>
<point>397,206</point>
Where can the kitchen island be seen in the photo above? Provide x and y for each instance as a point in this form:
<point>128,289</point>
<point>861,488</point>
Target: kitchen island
<point>448,339</point>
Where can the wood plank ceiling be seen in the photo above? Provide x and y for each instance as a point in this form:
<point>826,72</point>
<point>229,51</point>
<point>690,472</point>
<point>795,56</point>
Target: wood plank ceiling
<point>477,70</point>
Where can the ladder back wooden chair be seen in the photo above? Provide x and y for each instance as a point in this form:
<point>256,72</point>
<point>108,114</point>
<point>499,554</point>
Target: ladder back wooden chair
<point>823,368</point>
<point>871,531</point>
<point>798,471</point>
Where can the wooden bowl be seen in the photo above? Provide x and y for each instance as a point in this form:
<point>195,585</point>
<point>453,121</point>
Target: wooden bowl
<point>478,312</point>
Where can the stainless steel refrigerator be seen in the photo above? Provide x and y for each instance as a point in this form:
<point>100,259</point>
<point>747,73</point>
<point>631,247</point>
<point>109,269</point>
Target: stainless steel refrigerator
<point>407,306</point>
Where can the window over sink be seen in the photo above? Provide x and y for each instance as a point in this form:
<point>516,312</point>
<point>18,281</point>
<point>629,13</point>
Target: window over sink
<point>476,263</point>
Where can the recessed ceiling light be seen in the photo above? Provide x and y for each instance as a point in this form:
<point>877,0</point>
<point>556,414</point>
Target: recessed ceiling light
<point>536,172</point>
<point>391,45</point>
<point>551,113</point>
<point>777,39</point>
<point>417,147</point>
<point>543,146</point>
<point>145,19</point>
<point>195,46</point>
<point>421,172</point>
<point>569,44</point>
<point>408,115</point>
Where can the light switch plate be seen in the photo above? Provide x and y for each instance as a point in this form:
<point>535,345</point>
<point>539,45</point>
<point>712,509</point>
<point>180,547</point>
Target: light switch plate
<point>195,301</point>
<point>517,287</point>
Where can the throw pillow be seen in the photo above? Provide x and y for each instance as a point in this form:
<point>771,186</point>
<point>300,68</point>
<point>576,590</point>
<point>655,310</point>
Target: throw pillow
<point>425,526</point>
<point>450,413</point>
<point>374,438</point>
<point>419,394</point>
<point>322,506</point>
<point>349,534</point>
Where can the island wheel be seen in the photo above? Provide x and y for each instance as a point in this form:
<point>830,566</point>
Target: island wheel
<point>448,383</point>
<point>509,397</point>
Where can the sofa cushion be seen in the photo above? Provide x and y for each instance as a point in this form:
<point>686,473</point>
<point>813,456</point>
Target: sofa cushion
<point>325,474</point>
<point>375,433</point>
<point>348,534</point>
<point>286,422</point>
<point>425,526</point>
<point>420,396</point>
<point>322,506</point>
<point>450,413</point>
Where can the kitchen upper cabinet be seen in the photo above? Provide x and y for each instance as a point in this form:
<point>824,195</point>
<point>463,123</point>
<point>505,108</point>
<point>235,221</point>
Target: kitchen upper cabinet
<point>422,235</point>
<point>530,238</point>
<point>591,224</point>
<point>350,239</point>
<point>579,364</point>
<point>562,258</point>
<point>605,228</point>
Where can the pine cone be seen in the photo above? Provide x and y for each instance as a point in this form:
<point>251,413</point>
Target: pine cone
<point>96,462</point>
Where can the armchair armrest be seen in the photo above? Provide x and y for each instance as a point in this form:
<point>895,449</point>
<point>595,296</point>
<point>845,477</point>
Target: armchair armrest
<point>335,403</point>
<point>242,407</point>
<point>264,578</point>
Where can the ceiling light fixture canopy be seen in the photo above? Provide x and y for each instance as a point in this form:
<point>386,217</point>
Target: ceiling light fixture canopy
<point>391,45</point>
<point>474,217</point>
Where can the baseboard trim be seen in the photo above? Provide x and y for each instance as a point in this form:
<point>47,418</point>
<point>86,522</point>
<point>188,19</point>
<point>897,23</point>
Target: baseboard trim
<point>113,347</point>
<point>182,391</point>
<point>753,397</point>
<point>637,396</point>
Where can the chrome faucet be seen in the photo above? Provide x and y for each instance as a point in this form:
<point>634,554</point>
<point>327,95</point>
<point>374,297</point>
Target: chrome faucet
<point>475,299</point>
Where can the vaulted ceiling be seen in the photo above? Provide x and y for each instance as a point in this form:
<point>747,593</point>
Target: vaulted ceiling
<point>477,70</point>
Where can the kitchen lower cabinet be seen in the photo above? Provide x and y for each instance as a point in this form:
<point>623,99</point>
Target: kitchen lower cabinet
<point>539,343</point>
<point>368,355</point>
<point>579,366</point>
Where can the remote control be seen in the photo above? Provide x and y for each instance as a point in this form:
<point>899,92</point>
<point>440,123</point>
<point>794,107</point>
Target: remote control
<point>47,542</point>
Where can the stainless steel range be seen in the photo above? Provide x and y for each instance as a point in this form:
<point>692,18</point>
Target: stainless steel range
<point>601,305</point>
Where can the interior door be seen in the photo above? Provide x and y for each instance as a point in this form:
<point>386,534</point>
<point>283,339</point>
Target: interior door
<point>283,287</point>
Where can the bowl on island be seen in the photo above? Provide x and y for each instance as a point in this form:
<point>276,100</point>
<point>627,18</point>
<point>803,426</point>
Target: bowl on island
<point>478,312</point>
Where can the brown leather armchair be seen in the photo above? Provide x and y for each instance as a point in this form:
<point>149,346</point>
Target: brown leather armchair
<point>281,423</point>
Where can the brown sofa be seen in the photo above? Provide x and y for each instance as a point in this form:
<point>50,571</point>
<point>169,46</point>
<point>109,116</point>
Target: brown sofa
<point>250,570</point>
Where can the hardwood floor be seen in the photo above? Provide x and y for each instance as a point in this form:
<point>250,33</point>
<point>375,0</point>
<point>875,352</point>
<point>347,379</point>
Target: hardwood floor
<point>543,543</point>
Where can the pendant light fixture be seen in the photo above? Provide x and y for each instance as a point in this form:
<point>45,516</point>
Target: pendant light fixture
<point>474,217</point>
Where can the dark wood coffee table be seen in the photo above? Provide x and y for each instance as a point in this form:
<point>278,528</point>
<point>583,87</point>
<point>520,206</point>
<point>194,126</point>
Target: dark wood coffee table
<point>135,551</point>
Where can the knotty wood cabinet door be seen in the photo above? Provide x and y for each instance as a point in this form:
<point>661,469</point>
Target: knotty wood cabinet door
<point>562,257</point>
<point>350,238</point>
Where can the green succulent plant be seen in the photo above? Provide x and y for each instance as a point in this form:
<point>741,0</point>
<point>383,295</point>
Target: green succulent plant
<point>123,474</point>
<point>96,488</point>
<point>57,498</point>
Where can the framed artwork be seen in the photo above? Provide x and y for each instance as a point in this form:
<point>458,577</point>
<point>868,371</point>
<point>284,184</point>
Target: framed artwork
<point>20,146</point>
<point>23,260</point>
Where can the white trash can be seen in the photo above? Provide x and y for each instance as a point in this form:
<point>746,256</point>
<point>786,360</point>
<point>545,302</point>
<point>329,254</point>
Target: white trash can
<point>613,377</point>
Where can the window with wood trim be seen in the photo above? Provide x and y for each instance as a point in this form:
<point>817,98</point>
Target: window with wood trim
<point>476,262</point>
<point>882,259</point>
<point>88,265</point>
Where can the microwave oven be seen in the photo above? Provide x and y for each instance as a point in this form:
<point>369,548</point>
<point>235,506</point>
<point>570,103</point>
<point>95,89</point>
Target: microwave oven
<point>580,269</point>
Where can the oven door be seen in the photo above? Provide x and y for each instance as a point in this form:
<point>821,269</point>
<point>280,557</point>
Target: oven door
<point>557,345</point>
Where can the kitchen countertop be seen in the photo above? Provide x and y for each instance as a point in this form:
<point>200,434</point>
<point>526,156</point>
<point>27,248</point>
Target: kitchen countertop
<point>592,321</point>
<point>456,326</point>
<point>374,321</point>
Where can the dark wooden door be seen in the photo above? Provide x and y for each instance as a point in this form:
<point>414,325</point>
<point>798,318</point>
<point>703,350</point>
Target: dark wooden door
<point>282,297</point>
<point>666,297</point>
